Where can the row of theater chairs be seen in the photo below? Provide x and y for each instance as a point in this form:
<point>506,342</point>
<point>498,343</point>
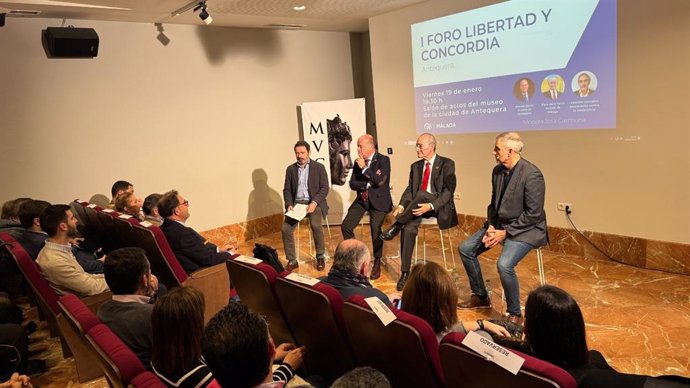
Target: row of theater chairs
<point>340,335</point>
<point>115,230</point>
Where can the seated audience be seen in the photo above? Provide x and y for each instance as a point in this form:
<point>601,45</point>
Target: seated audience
<point>362,377</point>
<point>10,213</point>
<point>33,239</point>
<point>178,324</point>
<point>118,188</point>
<point>430,294</point>
<point>555,332</point>
<point>128,314</point>
<point>191,250</point>
<point>350,270</point>
<point>128,203</point>
<point>56,260</point>
<point>240,352</point>
<point>150,208</point>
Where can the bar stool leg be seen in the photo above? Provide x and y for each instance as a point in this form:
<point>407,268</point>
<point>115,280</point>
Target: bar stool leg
<point>540,264</point>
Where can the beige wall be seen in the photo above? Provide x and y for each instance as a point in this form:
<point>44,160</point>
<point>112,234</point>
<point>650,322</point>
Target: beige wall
<point>634,188</point>
<point>209,114</point>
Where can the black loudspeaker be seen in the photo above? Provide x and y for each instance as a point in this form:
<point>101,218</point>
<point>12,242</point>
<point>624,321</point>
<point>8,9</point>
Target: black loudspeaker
<point>70,42</point>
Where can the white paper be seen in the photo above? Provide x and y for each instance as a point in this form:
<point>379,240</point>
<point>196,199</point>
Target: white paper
<point>304,279</point>
<point>145,224</point>
<point>248,260</point>
<point>92,205</point>
<point>494,352</point>
<point>125,216</point>
<point>381,310</point>
<point>107,210</point>
<point>298,212</point>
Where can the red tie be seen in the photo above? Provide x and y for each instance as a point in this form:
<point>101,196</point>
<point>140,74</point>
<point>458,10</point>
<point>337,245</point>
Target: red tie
<point>365,193</point>
<point>425,179</point>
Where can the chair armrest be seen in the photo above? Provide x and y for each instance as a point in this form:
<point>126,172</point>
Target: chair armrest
<point>93,302</point>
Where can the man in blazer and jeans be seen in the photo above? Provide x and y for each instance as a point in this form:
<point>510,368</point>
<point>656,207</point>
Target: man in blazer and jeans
<point>515,219</point>
<point>429,193</point>
<point>306,182</point>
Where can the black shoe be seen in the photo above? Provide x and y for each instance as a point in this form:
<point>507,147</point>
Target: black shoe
<point>391,232</point>
<point>291,266</point>
<point>401,281</point>
<point>376,270</point>
<point>320,263</point>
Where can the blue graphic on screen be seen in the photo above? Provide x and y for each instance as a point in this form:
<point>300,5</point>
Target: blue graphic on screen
<point>515,66</point>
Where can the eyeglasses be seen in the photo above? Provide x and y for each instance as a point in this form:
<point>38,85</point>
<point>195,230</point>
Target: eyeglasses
<point>185,203</point>
<point>421,146</point>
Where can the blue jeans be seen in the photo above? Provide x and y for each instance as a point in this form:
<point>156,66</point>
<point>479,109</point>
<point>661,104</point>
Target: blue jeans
<point>513,252</point>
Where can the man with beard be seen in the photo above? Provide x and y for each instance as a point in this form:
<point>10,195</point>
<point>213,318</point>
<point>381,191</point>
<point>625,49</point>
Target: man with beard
<point>56,261</point>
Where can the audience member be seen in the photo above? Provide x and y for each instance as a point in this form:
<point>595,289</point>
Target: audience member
<point>33,239</point>
<point>150,208</point>
<point>191,250</point>
<point>118,188</point>
<point>10,213</point>
<point>555,332</point>
<point>128,203</point>
<point>239,350</point>
<point>128,314</point>
<point>178,324</point>
<point>430,294</point>
<point>56,260</point>
<point>349,273</point>
<point>362,377</point>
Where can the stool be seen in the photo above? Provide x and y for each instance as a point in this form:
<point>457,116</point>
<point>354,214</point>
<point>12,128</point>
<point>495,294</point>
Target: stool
<point>434,221</point>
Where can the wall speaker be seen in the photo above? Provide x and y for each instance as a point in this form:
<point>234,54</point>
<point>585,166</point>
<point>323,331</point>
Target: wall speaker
<point>70,42</point>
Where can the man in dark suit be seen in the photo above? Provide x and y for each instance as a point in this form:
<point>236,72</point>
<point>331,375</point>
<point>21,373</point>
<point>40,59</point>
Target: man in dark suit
<point>515,218</point>
<point>370,180</point>
<point>429,193</point>
<point>306,182</point>
<point>191,250</point>
<point>553,93</point>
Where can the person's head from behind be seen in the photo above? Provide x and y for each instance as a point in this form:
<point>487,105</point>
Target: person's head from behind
<point>10,209</point>
<point>352,256</point>
<point>430,294</point>
<point>127,203</point>
<point>302,149</point>
<point>128,272</point>
<point>339,139</point>
<point>150,206</point>
<point>237,347</point>
<point>362,377</point>
<point>58,221</point>
<point>120,187</point>
<point>555,328</point>
<point>173,206</point>
<point>178,324</point>
<point>30,214</point>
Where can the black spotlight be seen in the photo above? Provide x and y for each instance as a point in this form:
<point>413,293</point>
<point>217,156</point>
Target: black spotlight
<point>204,16</point>
<point>2,19</point>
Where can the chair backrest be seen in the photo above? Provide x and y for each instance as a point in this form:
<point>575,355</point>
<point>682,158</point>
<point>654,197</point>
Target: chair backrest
<point>163,261</point>
<point>406,350</point>
<point>315,314</point>
<point>254,285</point>
<point>45,295</point>
<point>77,313</point>
<point>78,209</point>
<point>119,363</point>
<point>147,380</point>
<point>109,234</point>
<point>463,367</point>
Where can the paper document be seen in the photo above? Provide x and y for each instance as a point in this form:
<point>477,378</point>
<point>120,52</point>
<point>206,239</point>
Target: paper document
<point>298,212</point>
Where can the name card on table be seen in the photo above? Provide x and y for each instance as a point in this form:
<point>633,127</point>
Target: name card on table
<point>381,310</point>
<point>494,352</point>
<point>304,279</point>
<point>248,260</point>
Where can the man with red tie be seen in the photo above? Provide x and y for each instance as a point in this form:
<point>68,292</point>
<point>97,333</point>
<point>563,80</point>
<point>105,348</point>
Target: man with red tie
<point>371,180</point>
<point>429,193</point>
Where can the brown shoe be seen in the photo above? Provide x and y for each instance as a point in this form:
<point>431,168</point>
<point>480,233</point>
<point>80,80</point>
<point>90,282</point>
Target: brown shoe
<point>291,266</point>
<point>376,270</point>
<point>475,302</point>
<point>320,263</point>
<point>516,319</point>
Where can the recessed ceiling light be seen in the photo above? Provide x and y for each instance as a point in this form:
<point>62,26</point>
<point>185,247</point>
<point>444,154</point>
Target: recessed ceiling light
<point>299,7</point>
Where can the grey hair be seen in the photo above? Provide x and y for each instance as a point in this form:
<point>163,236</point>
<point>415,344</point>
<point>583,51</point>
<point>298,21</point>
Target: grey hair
<point>362,377</point>
<point>432,141</point>
<point>511,140</point>
<point>350,255</point>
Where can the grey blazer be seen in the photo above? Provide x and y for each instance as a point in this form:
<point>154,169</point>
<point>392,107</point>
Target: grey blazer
<point>521,211</point>
<point>317,185</point>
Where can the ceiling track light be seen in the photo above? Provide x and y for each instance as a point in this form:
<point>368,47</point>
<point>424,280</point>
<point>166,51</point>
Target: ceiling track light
<point>203,13</point>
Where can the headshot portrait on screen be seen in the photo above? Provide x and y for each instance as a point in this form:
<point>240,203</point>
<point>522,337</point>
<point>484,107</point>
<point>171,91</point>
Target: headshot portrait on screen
<point>584,84</point>
<point>552,87</point>
<point>339,139</point>
<point>523,89</point>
